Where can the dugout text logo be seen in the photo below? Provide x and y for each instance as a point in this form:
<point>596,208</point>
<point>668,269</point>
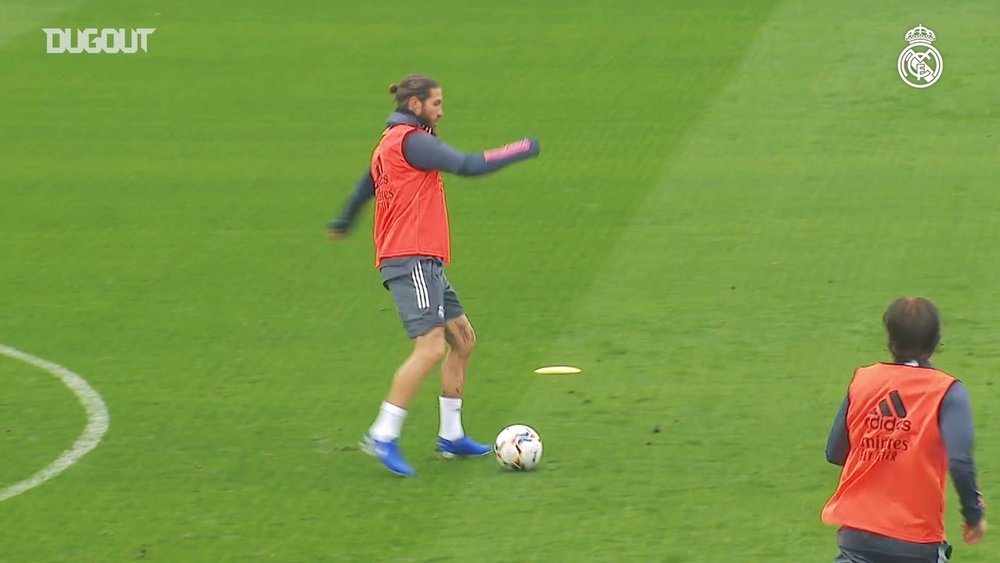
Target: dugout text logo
<point>920,64</point>
<point>93,40</point>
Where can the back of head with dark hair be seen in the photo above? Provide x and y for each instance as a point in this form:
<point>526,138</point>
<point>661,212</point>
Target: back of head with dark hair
<point>913,325</point>
<point>411,85</point>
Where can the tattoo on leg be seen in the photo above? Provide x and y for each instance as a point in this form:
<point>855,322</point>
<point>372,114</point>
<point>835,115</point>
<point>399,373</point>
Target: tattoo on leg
<point>466,331</point>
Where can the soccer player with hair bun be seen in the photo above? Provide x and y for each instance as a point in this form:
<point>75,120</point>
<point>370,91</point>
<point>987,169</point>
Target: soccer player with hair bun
<point>412,246</point>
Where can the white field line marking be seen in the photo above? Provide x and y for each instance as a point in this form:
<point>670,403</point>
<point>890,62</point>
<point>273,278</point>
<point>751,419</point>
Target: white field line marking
<point>97,422</point>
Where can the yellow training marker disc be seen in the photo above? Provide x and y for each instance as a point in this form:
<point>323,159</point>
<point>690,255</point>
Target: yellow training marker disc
<point>557,370</point>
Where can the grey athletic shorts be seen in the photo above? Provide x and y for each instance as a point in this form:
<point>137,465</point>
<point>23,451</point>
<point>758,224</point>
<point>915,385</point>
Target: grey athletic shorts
<point>423,296</point>
<point>857,546</point>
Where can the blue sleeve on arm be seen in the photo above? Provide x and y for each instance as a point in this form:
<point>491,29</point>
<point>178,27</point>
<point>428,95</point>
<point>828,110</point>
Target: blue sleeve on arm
<point>364,191</point>
<point>427,152</point>
<point>838,444</point>
<point>955,419</point>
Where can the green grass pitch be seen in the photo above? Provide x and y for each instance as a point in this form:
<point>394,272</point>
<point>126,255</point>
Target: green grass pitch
<point>729,194</point>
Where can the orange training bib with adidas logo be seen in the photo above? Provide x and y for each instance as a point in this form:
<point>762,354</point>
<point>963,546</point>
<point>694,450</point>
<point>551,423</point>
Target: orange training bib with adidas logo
<point>411,216</point>
<point>894,480</point>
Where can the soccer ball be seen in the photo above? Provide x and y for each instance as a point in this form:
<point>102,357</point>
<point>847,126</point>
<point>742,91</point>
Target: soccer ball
<point>518,447</point>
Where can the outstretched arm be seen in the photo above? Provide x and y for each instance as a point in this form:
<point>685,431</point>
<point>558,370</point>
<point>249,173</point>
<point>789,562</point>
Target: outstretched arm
<point>427,152</point>
<point>364,191</point>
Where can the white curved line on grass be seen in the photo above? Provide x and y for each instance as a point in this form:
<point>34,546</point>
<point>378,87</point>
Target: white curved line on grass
<point>97,422</point>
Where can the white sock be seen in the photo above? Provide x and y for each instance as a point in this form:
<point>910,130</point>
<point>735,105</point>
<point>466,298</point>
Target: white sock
<point>389,423</point>
<point>451,418</point>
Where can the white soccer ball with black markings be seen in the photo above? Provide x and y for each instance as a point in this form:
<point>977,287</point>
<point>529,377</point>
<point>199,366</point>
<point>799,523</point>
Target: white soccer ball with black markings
<point>518,447</point>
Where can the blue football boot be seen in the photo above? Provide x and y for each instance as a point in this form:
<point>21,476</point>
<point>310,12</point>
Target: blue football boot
<point>388,453</point>
<point>462,447</point>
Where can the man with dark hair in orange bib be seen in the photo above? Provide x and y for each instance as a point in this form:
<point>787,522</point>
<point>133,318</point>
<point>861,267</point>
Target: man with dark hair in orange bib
<point>902,427</point>
<point>412,247</point>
